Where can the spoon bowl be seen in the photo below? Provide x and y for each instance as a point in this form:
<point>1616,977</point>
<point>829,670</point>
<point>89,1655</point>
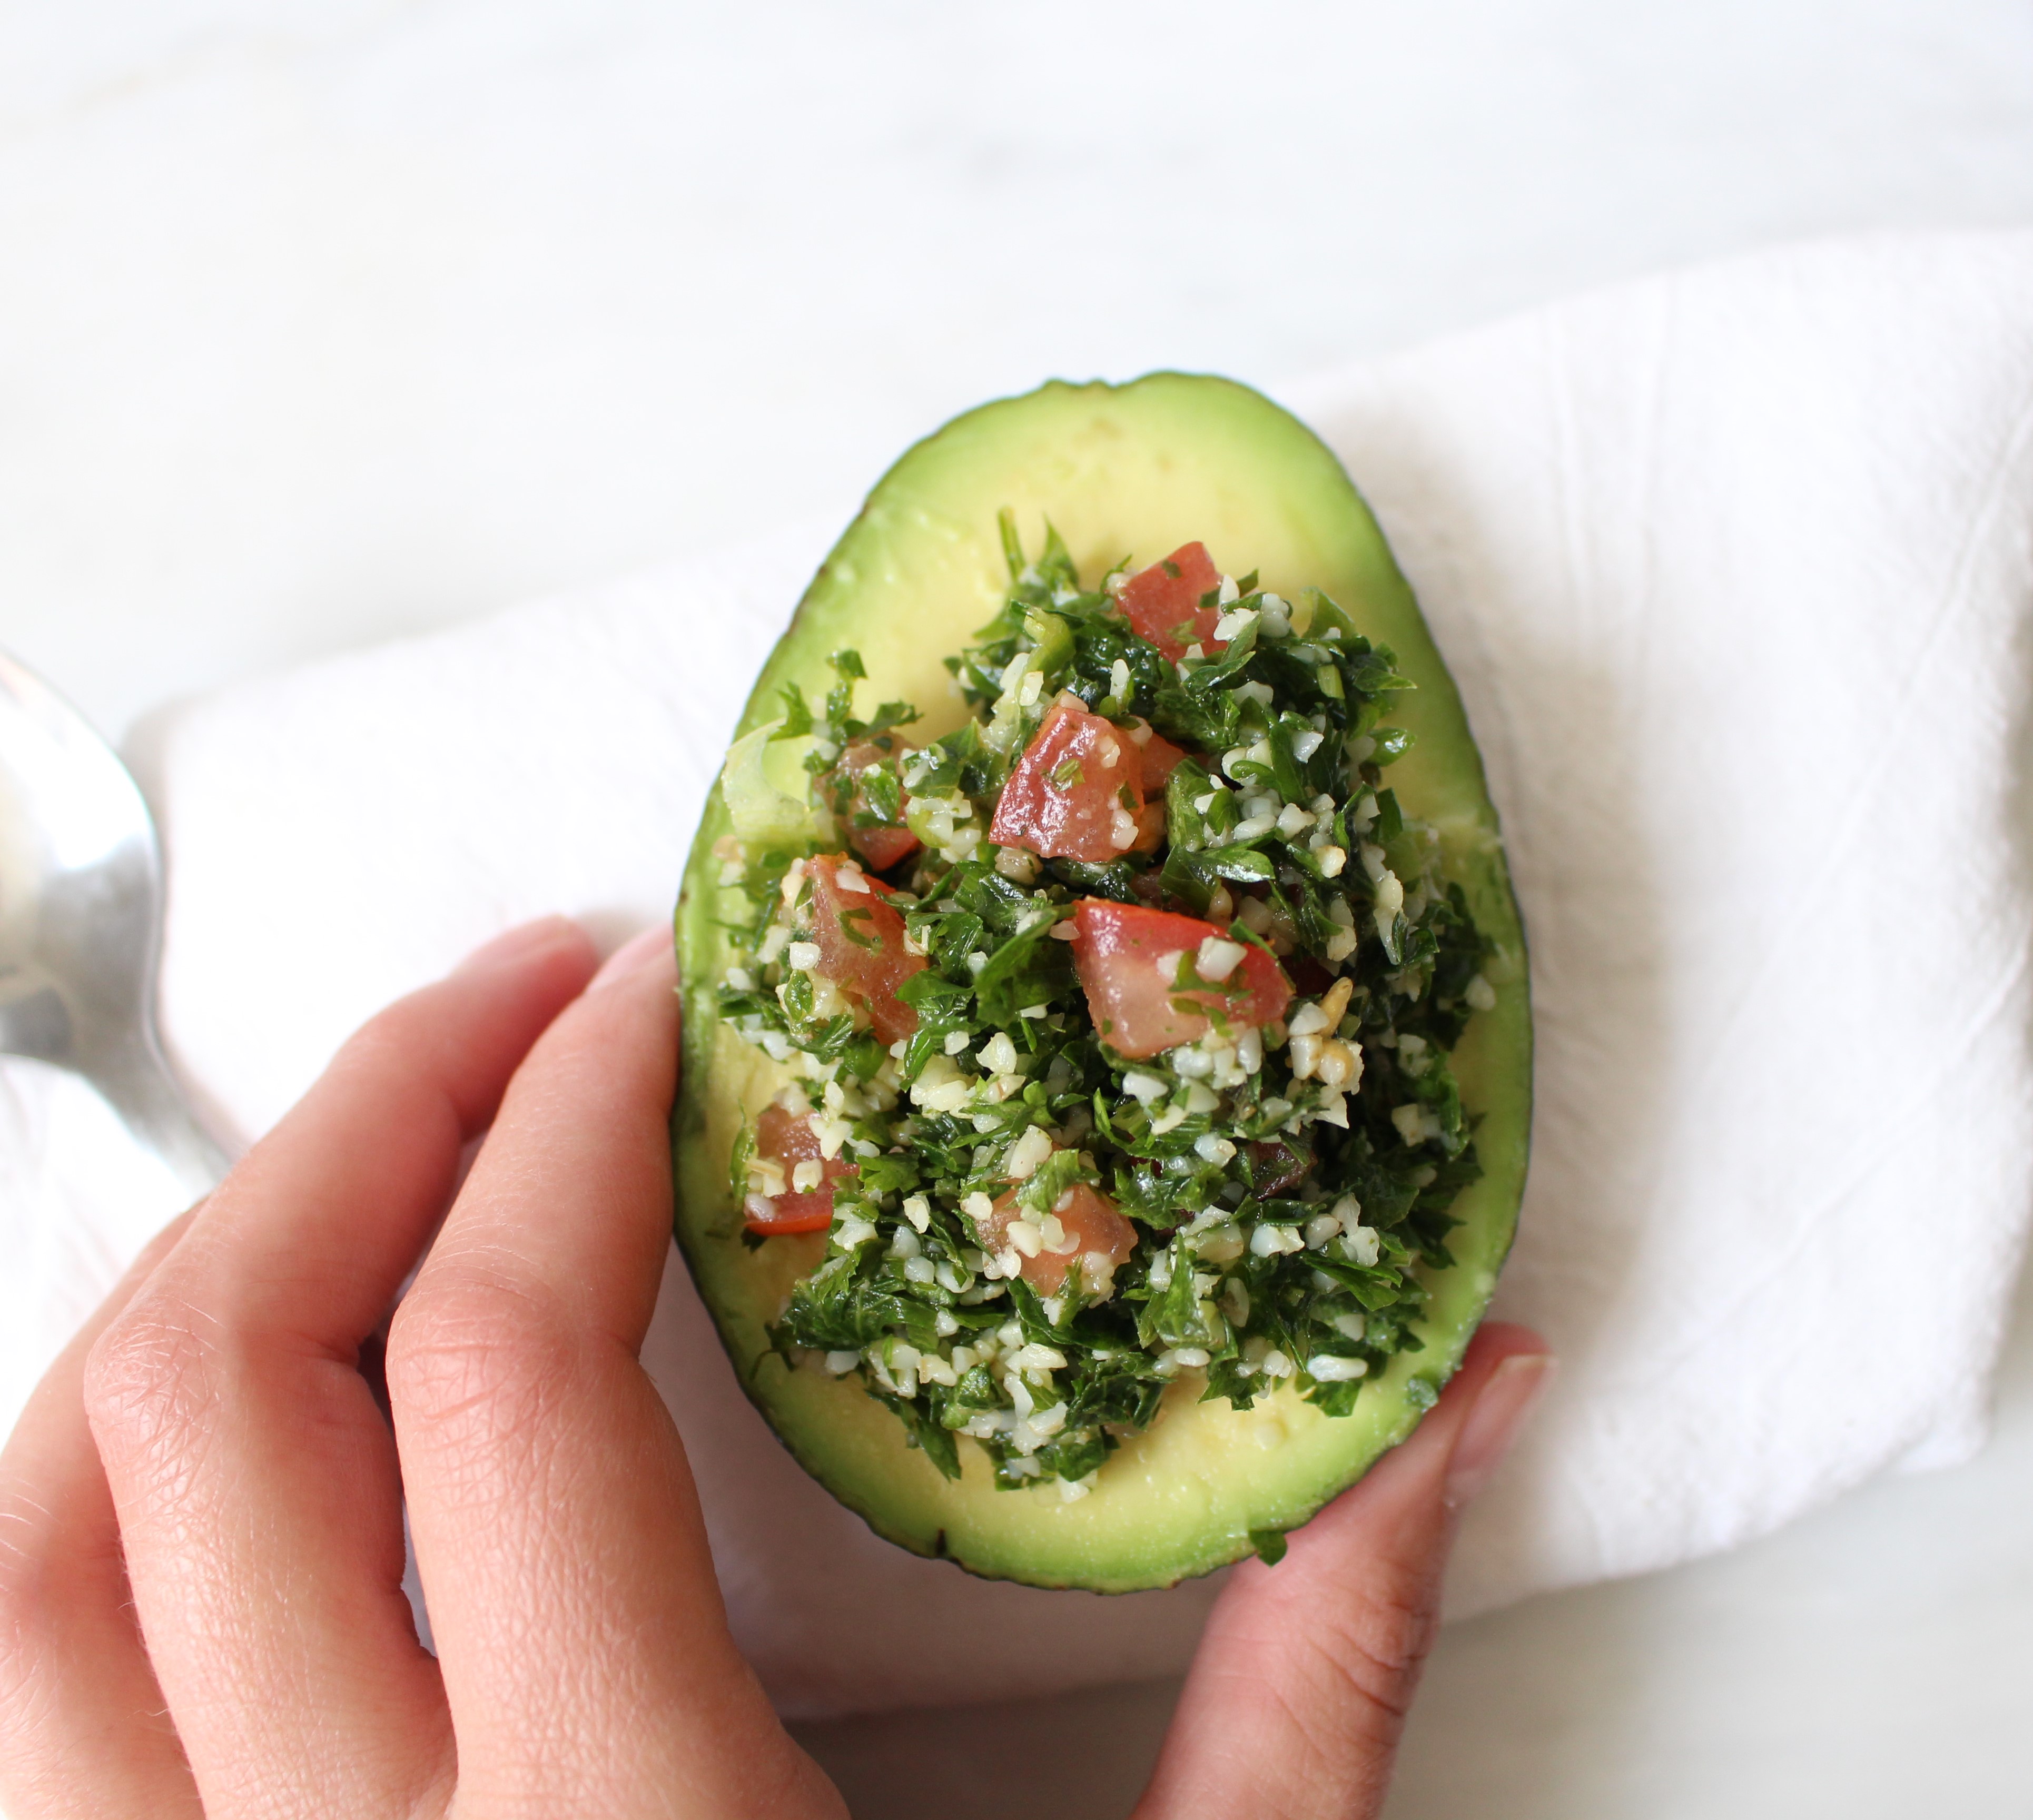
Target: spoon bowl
<point>81,920</point>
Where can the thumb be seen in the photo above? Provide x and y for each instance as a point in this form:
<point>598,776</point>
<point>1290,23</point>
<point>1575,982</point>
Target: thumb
<point>1299,1690</point>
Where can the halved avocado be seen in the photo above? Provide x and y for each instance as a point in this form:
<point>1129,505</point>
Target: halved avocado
<point>1135,469</point>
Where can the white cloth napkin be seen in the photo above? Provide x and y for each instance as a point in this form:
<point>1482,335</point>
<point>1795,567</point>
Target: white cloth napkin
<point>1733,568</point>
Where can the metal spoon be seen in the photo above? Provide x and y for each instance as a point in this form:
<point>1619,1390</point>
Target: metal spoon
<point>81,921</point>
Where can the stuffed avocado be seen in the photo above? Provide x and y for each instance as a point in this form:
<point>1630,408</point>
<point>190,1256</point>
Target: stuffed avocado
<point>1107,1057</point>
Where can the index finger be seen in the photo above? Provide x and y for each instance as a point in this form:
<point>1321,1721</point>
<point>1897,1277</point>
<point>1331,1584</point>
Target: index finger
<point>255,1482</point>
<point>585,1647</point>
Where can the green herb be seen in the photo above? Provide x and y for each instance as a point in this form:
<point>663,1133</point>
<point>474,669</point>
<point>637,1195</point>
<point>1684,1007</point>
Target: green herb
<point>1282,1225</point>
<point>1270,1545</point>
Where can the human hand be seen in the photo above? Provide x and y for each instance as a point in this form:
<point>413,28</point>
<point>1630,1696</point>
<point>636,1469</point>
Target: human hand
<point>201,1510</point>
<point>238,1466</point>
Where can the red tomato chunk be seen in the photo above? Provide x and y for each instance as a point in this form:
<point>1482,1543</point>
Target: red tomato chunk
<point>1161,759</point>
<point>881,844</point>
<point>1091,1225</point>
<point>1128,958</point>
<point>860,940</point>
<point>789,1137</point>
<point>1075,792</point>
<point>1163,602</point>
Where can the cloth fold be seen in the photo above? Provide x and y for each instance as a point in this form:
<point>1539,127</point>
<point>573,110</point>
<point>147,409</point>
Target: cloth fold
<point>1733,567</point>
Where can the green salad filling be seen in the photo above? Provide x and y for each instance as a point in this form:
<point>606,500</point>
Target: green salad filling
<point>1117,1022</point>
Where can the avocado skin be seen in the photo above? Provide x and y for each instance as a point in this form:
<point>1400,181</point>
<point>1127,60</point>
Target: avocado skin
<point>1133,469</point>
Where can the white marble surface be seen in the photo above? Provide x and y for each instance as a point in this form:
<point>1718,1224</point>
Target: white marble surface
<point>319,323</point>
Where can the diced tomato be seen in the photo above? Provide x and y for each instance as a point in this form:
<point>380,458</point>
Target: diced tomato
<point>1163,602</point>
<point>860,939</point>
<point>789,1137</point>
<point>1128,958</point>
<point>1161,759</point>
<point>881,844</point>
<point>882,847</point>
<point>1091,1223</point>
<point>1075,792</point>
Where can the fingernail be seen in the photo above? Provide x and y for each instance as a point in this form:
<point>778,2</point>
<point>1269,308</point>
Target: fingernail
<point>636,952</point>
<point>1501,1406</point>
<point>516,945</point>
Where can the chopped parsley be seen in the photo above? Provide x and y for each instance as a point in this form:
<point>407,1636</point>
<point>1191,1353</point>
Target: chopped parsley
<point>1276,1190</point>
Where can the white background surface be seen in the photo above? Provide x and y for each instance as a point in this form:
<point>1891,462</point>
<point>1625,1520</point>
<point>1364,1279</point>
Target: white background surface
<point>320,323</point>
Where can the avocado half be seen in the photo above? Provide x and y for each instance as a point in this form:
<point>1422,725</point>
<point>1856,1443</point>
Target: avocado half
<point>1133,469</point>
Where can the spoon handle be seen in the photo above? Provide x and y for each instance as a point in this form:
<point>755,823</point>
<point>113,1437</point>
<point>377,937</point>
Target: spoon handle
<point>138,1085</point>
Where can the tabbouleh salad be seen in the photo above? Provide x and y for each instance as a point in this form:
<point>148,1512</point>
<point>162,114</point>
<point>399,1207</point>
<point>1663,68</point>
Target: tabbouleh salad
<point>1118,1021</point>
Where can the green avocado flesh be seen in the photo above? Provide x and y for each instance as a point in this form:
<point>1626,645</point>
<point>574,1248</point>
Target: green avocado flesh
<point>1132,471</point>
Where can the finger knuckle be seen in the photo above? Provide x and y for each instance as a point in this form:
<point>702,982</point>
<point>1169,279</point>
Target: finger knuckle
<point>472,1355</point>
<point>1374,1646</point>
<point>151,1380</point>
